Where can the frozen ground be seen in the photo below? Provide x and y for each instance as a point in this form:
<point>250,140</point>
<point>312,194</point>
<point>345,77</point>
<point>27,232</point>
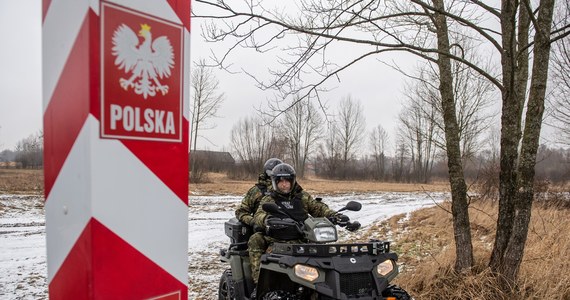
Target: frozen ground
<point>22,237</point>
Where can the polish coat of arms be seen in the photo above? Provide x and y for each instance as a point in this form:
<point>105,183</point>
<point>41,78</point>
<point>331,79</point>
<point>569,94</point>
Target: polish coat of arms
<point>147,61</point>
<point>142,75</point>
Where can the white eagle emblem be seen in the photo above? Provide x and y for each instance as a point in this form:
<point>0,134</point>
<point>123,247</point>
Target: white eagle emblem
<point>148,61</point>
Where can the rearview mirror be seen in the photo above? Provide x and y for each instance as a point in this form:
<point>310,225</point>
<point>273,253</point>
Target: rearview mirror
<point>352,205</point>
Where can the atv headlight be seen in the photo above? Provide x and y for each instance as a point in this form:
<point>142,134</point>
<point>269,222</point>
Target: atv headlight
<point>325,234</point>
<point>385,267</point>
<point>307,273</point>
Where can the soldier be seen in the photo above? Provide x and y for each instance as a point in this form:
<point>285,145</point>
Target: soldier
<point>248,207</point>
<point>289,195</point>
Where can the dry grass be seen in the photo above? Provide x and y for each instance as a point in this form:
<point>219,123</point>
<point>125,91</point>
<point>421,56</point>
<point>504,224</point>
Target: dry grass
<point>427,252</point>
<point>17,181</point>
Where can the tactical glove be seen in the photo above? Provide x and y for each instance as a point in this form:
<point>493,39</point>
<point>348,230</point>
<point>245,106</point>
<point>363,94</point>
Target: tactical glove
<point>341,219</point>
<point>354,226</point>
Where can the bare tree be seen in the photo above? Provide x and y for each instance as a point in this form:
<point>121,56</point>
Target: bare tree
<point>303,128</point>
<point>29,151</point>
<point>206,100</point>
<point>253,142</point>
<point>474,95</point>
<point>421,28</point>
<point>445,107</point>
<point>400,164</point>
<point>560,98</point>
<point>379,144</point>
<point>329,160</point>
<point>459,205</point>
<point>420,118</point>
<point>351,126</point>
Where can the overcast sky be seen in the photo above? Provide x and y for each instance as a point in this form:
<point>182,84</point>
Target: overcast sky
<point>20,82</point>
<point>20,70</point>
<point>376,86</point>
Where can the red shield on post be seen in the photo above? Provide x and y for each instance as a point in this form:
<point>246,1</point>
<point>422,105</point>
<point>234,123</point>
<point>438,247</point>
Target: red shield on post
<point>141,80</point>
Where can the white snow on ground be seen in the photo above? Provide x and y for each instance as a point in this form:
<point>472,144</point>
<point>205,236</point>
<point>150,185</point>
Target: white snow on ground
<point>22,237</point>
<point>22,248</point>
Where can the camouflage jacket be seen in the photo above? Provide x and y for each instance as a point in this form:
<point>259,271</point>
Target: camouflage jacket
<point>250,201</point>
<point>311,206</point>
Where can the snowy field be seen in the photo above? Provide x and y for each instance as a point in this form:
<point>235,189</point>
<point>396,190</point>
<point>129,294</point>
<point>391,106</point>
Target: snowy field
<point>22,237</point>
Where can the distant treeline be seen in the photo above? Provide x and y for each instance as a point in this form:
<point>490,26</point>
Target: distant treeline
<point>28,153</point>
<point>553,165</point>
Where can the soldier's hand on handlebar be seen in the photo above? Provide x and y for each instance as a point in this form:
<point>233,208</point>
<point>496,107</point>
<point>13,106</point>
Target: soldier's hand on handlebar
<point>354,226</point>
<point>341,219</point>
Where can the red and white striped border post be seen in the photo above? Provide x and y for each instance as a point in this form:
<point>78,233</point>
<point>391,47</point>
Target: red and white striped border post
<point>117,203</point>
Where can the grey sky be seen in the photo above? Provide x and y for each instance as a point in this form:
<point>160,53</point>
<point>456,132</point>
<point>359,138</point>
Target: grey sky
<point>20,70</point>
<point>377,86</point>
<point>20,82</point>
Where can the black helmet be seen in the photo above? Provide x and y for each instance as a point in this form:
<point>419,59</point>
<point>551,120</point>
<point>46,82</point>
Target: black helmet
<point>283,171</point>
<point>270,164</point>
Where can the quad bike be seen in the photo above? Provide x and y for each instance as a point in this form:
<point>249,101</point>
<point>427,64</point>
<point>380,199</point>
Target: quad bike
<point>316,269</point>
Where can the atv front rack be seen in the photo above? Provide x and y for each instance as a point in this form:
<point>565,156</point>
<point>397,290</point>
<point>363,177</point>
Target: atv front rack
<point>328,250</point>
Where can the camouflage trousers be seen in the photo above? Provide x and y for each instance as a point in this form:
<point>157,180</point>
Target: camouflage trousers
<point>258,244</point>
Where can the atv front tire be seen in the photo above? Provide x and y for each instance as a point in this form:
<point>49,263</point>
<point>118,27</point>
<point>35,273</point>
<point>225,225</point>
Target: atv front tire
<point>226,289</point>
<point>279,295</point>
<point>397,292</point>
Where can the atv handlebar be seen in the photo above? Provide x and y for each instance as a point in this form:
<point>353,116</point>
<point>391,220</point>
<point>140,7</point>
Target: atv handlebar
<point>345,222</point>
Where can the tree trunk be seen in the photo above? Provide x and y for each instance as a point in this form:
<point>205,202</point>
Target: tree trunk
<point>459,206</point>
<point>533,122</point>
<point>195,140</point>
<point>510,135</point>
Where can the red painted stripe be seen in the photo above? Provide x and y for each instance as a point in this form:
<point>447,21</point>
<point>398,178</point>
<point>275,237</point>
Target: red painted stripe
<point>77,268</point>
<point>95,61</point>
<point>168,161</point>
<point>68,107</point>
<point>117,270</point>
<point>182,9</point>
<point>122,272</point>
<point>45,7</point>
